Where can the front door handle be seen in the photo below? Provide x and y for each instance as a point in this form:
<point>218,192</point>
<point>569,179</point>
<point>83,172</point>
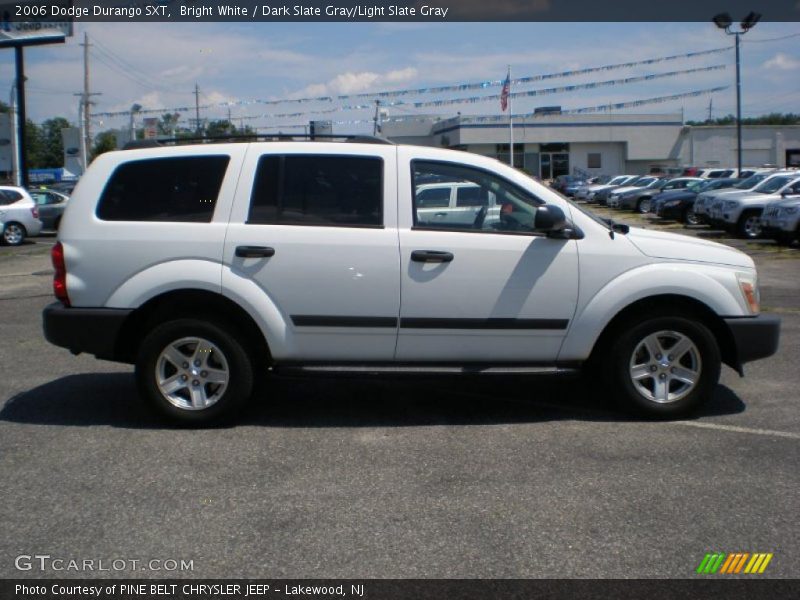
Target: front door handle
<point>254,251</point>
<point>436,256</point>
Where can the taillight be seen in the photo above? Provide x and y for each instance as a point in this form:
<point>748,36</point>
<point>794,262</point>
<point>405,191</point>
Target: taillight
<point>60,276</point>
<point>35,212</point>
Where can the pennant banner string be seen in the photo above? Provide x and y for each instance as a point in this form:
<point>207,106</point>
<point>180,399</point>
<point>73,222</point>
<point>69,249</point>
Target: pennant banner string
<point>428,90</point>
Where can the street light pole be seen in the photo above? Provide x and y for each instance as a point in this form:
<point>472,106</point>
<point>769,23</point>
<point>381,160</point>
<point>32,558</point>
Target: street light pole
<point>737,35</point>
<point>724,21</point>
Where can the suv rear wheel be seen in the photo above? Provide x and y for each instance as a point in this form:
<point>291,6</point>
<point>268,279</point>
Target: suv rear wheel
<point>663,367</point>
<point>194,371</point>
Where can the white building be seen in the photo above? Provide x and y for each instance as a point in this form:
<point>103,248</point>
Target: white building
<point>555,144</point>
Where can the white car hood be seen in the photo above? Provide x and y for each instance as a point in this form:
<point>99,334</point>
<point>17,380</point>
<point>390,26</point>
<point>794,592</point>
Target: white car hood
<point>660,244</point>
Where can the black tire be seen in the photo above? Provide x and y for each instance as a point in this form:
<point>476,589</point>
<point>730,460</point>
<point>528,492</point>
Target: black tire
<point>688,217</point>
<point>224,354</point>
<point>14,234</point>
<point>703,358</point>
<point>643,205</point>
<point>747,227</point>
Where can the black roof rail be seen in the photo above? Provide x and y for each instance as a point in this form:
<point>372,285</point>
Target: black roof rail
<point>256,137</point>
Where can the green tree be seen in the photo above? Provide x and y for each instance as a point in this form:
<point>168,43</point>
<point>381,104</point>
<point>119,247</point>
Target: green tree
<point>53,144</point>
<point>168,124</point>
<point>105,141</point>
<point>34,142</point>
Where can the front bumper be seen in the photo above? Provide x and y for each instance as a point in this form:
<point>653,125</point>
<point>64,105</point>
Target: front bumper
<point>92,330</point>
<point>753,337</point>
<point>670,212</point>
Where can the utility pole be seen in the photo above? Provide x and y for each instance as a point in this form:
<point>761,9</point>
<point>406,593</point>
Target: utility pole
<point>197,108</point>
<point>710,108</point>
<point>86,103</point>
<point>377,116</point>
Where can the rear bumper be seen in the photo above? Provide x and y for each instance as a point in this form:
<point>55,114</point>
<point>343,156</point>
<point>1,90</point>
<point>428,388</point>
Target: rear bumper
<point>92,330</point>
<point>754,337</point>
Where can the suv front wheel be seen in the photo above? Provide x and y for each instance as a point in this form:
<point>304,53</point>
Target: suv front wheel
<point>194,371</point>
<point>664,367</point>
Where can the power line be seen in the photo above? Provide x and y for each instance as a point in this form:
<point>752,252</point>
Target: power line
<point>775,39</point>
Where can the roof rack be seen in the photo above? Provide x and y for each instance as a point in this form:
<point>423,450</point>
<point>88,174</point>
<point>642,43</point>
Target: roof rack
<point>256,137</point>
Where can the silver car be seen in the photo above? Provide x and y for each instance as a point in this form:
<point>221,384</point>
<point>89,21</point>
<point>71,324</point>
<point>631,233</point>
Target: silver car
<point>19,215</point>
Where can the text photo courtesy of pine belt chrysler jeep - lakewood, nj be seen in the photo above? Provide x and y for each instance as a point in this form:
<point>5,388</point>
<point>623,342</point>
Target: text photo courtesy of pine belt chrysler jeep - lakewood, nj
<point>208,266</point>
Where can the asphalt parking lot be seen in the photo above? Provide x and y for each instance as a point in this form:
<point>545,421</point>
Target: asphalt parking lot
<point>393,477</point>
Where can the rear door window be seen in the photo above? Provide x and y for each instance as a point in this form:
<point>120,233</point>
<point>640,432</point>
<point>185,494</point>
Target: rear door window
<point>337,191</point>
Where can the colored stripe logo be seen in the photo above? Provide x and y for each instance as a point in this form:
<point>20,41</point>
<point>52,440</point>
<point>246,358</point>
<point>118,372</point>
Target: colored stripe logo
<point>734,563</point>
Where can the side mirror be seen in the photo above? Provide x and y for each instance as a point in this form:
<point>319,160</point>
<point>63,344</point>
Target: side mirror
<point>549,219</point>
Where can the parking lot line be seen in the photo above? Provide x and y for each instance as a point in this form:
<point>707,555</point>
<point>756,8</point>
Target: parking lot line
<point>736,429</point>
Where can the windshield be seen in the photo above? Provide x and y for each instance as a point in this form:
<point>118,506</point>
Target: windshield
<point>618,180</point>
<point>645,181</point>
<point>773,184</point>
<point>699,186</point>
<point>751,181</point>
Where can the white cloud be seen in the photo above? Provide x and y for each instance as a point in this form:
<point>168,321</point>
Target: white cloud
<point>353,83</point>
<point>782,62</point>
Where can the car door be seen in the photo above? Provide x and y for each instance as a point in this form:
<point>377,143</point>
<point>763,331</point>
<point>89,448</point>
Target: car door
<point>48,205</point>
<point>314,226</point>
<point>494,291</point>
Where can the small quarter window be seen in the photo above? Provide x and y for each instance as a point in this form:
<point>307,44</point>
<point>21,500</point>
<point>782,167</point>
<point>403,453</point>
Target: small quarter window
<point>179,189</point>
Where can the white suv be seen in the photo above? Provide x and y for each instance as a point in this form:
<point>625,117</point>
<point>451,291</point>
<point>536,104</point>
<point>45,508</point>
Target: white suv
<point>741,213</point>
<point>205,265</point>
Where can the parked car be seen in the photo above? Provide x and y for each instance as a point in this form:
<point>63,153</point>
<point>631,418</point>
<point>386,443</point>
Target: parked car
<point>636,185</point>
<point>679,204</point>
<point>643,203</point>
<point>742,214</point>
<point>564,182</point>
<point>706,198</point>
<point>582,193</point>
<point>572,188</point>
<point>63,187</point>
<point>19,215</point>
<point>613,183</point>
<point>780,221</point>
<point>51,206</point>
<point>207,265</point>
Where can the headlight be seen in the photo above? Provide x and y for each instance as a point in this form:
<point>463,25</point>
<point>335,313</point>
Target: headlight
<point>748,286</point>
<point>672,203</point>
<point>731,204</point>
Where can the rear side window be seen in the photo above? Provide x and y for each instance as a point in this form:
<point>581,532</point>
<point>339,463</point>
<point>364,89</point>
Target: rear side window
<point>338,191</point>
<point>435,197</point>
<point>180,189</point>
<point>9,197</point>
<point>472,196</point>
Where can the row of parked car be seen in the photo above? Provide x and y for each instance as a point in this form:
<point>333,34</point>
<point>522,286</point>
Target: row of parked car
<point>751,204</point>
<point>25,213</point>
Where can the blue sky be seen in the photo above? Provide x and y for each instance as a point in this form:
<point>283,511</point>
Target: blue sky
<point>157,65</point>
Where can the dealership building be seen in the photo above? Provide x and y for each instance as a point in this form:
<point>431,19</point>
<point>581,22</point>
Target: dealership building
<point>552,144</point>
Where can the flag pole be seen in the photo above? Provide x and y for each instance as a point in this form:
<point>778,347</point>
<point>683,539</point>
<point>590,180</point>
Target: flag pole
<point>510,122</point>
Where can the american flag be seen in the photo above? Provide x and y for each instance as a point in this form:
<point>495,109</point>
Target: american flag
<point>506,90</point>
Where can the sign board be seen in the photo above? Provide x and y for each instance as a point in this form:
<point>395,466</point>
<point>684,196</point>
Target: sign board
<point>71,138</point>
<point>150,128</point>
<point>28,23</point>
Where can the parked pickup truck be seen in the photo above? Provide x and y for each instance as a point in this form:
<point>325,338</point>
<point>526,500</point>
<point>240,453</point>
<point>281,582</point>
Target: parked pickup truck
<point>208,265</point>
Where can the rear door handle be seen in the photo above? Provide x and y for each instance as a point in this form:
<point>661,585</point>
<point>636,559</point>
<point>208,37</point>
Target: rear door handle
<point>431,256</point>
<point>254,251</point>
